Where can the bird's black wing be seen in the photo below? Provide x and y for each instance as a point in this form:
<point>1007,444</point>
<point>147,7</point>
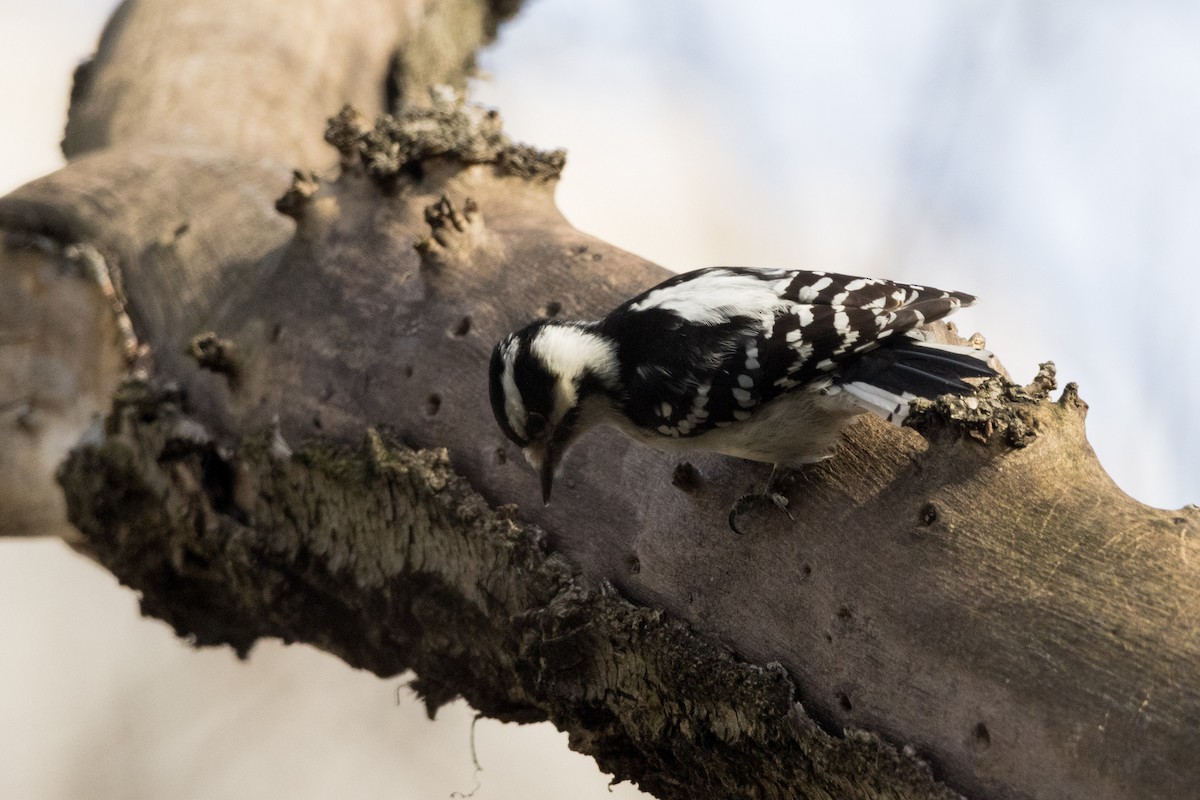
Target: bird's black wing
<point>705,348</point>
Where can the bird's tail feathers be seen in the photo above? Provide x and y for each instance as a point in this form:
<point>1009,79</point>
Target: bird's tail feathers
<point>886,380</point>
<point>888,405</point>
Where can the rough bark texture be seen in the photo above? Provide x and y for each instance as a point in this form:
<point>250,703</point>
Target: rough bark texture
<point>304,450</point>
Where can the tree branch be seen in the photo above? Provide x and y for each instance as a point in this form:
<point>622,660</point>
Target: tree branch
<point>323,467</point>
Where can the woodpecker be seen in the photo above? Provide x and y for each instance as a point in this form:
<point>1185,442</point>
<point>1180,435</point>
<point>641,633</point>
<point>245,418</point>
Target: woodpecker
<point>763,364</point>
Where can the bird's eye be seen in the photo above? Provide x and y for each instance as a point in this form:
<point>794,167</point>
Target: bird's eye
<point>535,425</point>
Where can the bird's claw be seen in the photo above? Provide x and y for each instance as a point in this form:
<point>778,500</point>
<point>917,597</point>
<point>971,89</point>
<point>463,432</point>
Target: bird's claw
<point>739,505</point>
<point>747,501</point>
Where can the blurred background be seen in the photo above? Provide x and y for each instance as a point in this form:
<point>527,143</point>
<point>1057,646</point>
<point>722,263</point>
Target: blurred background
<point>1045,157</point>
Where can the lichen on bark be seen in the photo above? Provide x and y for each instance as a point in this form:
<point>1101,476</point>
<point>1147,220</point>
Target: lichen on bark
<point>382,555</point>
<point>397,144</point>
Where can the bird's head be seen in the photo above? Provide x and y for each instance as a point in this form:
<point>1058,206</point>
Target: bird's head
<point>543,379</point>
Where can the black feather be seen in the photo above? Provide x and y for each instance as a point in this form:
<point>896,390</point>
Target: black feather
<point>907,366</point>
<point>697,332</point>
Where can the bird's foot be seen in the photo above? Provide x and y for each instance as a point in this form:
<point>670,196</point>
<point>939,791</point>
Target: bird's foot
<point>748,501</point>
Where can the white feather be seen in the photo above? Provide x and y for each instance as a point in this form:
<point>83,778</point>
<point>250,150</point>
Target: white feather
<point>888,405</point>
<point>717,295</point>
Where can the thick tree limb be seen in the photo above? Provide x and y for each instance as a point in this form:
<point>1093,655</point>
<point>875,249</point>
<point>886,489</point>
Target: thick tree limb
<point>984,598</point>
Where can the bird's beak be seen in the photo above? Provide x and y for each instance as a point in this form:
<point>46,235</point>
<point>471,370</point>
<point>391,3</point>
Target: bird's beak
<point>544,457</point>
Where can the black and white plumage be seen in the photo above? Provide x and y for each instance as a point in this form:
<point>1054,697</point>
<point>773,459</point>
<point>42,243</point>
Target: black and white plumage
<point>763,364</point>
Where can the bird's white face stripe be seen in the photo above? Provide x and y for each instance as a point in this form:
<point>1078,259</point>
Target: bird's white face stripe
<point>567,352</point>
<point>514,405</point>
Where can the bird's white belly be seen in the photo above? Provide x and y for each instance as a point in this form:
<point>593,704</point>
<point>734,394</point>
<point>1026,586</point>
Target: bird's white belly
<point>797,427</point>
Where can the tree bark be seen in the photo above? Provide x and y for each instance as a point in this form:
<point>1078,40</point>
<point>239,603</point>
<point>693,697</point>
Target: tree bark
<point>300,446</point>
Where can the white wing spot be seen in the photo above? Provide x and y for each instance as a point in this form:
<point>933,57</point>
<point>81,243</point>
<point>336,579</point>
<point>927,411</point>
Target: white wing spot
<point>751,363</point>
<point>803,353</point>
<point>745,381</point>
<point>741,416</point>
<point>849,339</point>
<point>741,395</point>
<point>665,409</point>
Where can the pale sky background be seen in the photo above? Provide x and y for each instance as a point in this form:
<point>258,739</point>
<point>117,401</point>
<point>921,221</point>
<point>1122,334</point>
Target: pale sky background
<point>1045,157</point>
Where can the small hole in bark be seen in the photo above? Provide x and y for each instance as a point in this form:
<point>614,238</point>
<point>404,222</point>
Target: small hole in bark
<point>462,328</point>
<point>276,330</point>
<point>686,477</point>
<point>220,481</point>
<point>408,371</point>
<point>501,456</point>
<point>829,638</point>
<point>317,421</point>
<point>806,569</point>
<point>433,404</point>
<point>981,735</point>
<point>552,309</point>
<point>929,514</point>
<point>194,560</point>
<point>634,563</point>
<point>844,702</point>
<point>29,420</point>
